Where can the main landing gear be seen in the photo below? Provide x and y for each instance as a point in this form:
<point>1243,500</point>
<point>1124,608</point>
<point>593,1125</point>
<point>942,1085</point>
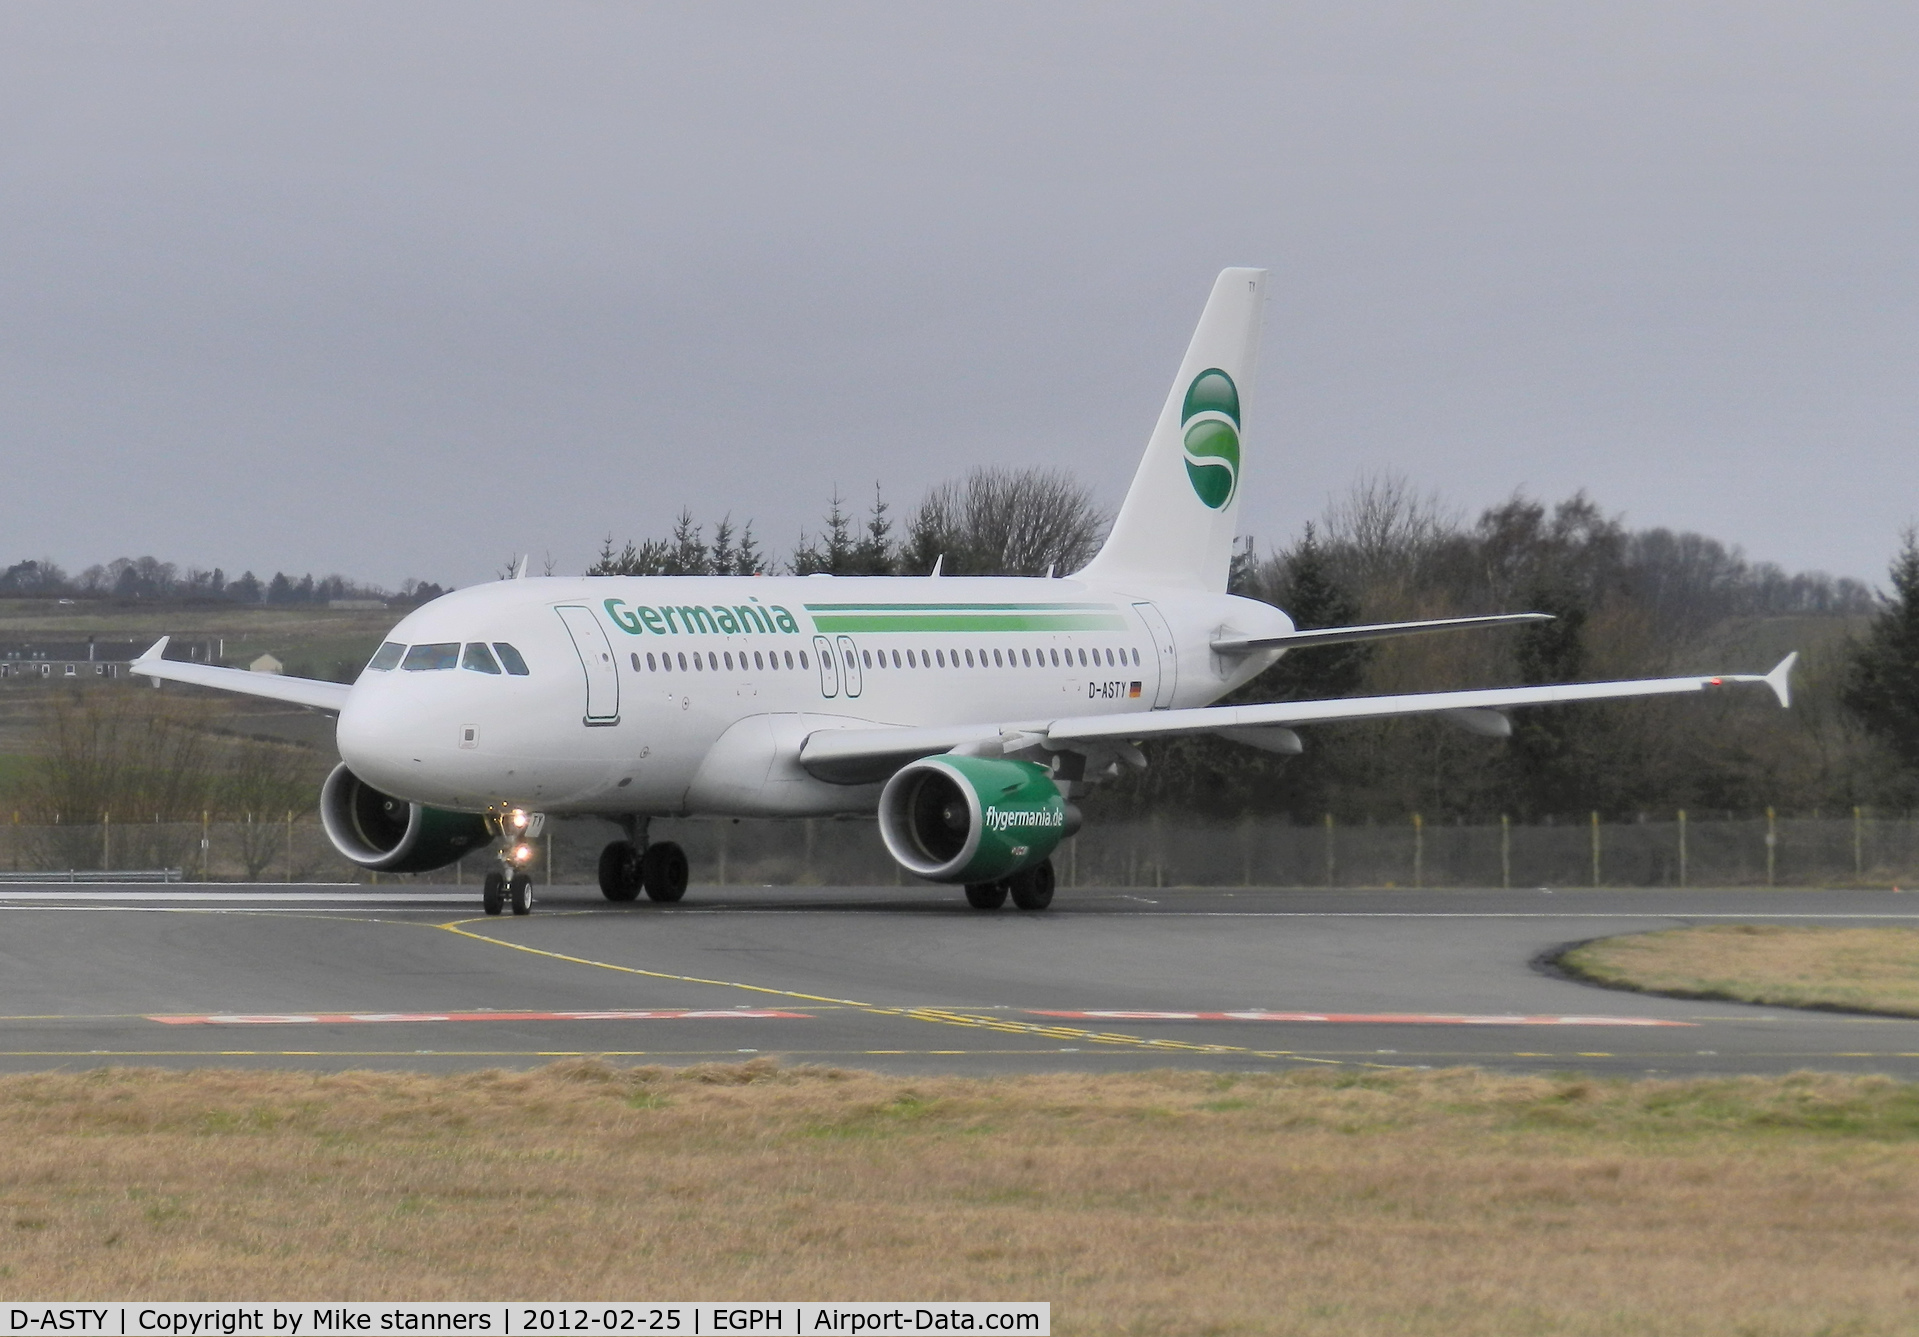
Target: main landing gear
<point>1031,889</point>
<point>628,867</point>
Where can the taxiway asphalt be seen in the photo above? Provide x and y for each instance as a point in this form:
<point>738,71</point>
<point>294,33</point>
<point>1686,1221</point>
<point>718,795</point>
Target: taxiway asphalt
<point>897,979</point>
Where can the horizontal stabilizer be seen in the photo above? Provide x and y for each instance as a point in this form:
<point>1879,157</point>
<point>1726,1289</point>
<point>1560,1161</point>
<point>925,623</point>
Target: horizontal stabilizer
<point>1378,631</point>
<point>297,691</point>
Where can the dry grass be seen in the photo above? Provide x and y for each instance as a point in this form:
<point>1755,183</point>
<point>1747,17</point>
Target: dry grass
<point>1858,969</point>
<point>1318,1202</point>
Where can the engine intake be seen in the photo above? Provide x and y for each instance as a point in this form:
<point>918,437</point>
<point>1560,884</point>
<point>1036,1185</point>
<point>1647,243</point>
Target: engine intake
<point>972,819</point>
<point>391,835</point>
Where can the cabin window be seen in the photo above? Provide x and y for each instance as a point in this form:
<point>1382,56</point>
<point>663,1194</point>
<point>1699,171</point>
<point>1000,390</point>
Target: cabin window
<point>432,658</point>
<point>1026,658</point>
<point>802,659</point>
<point>478,658</point>
<point>867,659</point>
<point>728,656</point>
<point>759,661</point>
<point>1136,656</point>
<point>789,660</point>
<point>511,658</point>
<point>636,661</point>
<point>651,666</point>
<point>682,661</point>
<point>388,656</point>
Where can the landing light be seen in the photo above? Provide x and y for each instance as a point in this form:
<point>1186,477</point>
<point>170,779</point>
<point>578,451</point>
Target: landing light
<point>522,853</point>
<point>517,819</point>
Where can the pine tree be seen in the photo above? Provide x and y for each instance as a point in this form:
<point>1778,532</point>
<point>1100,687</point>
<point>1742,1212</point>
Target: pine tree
<point>873,555</point>
<point>689,554</point>
<point>1547,758</point>
<point>1882,676</point>
<point>832,551</point>
<point>748,560</point>
<point>724,553</point>
<point>1314,599</point>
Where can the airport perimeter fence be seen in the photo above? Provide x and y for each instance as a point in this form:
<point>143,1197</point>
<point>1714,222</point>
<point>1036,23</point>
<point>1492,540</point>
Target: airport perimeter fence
<point>1859,849</point>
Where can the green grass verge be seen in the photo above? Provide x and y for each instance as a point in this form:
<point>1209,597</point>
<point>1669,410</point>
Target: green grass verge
<point>1872,970</point>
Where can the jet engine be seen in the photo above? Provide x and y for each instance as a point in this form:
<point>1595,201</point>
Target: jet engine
<point>390,835</point>
<point>972,819</point>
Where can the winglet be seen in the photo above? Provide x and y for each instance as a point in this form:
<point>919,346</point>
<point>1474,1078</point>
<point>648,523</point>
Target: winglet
<point>1780,679</point>
<point>155,651</point>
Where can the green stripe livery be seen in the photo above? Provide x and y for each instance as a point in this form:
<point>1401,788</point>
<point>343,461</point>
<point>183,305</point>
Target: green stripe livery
<point>966,617</point>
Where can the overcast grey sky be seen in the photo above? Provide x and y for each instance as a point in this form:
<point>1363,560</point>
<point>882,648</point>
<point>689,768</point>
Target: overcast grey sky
<point>398,289</point>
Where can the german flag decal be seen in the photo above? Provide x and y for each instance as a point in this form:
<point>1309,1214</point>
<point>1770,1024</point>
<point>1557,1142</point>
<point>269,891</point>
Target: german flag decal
<point>1134,690</point>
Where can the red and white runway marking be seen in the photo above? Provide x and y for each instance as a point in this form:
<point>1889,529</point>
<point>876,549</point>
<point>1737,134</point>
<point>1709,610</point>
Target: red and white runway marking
<point>339,1018</point>
<point>1367,1018</point>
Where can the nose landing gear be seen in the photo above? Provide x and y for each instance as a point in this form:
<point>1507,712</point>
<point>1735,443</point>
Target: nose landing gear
<point>512,884</point>
<point>503,889</point>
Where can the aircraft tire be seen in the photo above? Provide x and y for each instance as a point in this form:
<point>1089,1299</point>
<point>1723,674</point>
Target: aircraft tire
<point>520,893</point>
<point>663,871</point>
<point>986,895</point>
<point>620,871</point>
<point>1033,888</point>
<point>493,893</point>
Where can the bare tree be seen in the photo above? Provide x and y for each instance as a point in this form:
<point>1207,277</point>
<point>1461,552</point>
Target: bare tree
<point>1012,522</point>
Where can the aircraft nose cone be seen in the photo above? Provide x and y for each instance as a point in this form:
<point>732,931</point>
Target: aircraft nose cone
<point>381,740</point>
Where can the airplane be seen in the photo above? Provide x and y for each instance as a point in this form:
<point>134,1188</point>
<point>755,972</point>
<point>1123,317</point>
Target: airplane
<point>966,713</point>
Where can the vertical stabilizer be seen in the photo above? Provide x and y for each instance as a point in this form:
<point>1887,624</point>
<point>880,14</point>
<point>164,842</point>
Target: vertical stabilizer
<point>1176,526</point>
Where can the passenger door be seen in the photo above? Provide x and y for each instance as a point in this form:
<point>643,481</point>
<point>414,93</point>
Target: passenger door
<point>596,660</point>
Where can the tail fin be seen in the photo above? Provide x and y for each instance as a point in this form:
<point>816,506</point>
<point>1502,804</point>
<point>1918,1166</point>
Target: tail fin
<point>1177,523</point>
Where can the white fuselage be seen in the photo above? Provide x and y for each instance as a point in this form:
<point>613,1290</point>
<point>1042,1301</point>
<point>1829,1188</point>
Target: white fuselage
<point>689,695</point>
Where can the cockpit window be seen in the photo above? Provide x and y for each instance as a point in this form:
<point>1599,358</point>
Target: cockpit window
<point>430,658</point>
<point>478,658</point>
<point>387,657</point>
<point>511,658</point>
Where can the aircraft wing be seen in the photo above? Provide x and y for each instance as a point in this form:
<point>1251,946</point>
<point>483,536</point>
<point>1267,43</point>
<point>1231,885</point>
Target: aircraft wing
<point>1378,631</point>
<point>300,691</point>
<point>857,755</point>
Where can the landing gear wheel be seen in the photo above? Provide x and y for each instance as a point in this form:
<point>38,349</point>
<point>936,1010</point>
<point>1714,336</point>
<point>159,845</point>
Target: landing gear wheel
<point>986,895</point>
<point>620,871</point>
<point>1033,889</point>
<point>493,893</point>
<point>520,892</point>
<point>663,871</point>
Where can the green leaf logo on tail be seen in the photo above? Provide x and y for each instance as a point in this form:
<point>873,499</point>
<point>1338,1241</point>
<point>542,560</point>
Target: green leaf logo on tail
<point>1210,424</point>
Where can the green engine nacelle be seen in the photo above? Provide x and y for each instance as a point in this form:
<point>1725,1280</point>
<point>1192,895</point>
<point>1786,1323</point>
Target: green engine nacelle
<point>391,835</point>
<point>972,819</point>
